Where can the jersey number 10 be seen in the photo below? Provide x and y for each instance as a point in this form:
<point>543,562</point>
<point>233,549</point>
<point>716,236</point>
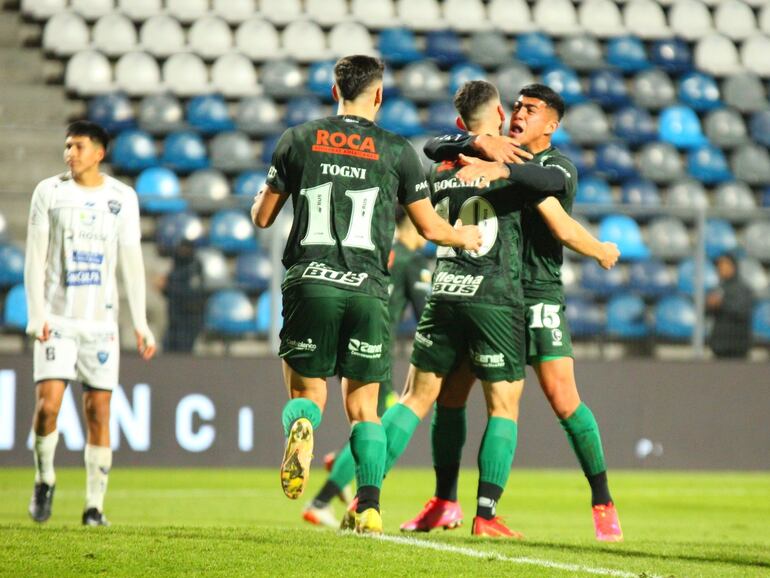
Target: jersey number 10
<point>474,211</point>
<point>319,220</point>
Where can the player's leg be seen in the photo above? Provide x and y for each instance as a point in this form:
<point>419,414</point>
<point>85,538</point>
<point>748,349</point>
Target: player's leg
<point>98,453</point>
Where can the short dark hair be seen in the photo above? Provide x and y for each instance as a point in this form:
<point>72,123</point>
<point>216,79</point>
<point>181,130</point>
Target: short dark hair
<point>354,74</point>
<point>545,93</point>
<point>90,129</point>
<point>471,96</point>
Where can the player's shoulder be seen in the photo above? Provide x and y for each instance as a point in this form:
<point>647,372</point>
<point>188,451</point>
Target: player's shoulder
<point>555,157</point>
<point>52,183</point>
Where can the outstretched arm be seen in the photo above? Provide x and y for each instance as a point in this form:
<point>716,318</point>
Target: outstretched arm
<point>267,204</point>
<point>437,230</point>
<point>530,176</point>
<point>492,147</point>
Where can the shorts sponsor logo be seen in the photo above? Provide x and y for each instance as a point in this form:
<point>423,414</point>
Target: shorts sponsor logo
<point>488,359</point>
<point>451,284</point>
<point>340,143</point>
<point>320,271</point>
<point>114,206</point>
<point>50,354</point>
<point>306,345</point>
<point>271,172</point>
<point>423,339</point>
<point>84,277</point>
<point>363,349</point>
<point>102,356</point>
<point>87,257</point>
<point>556,335</point>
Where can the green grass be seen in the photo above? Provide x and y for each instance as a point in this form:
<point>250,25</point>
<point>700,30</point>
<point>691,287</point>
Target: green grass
<point>237,522</point>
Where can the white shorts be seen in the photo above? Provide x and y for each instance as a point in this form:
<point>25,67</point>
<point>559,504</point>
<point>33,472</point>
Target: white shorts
<point>79,352</point>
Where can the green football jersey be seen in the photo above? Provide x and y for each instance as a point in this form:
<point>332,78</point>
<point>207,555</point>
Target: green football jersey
<point>345,175</point>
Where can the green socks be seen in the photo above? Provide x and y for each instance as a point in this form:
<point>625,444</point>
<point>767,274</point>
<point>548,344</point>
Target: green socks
<point>399,423</point>
<point>344,469</point>
<point>583,435</point>
<point>498,447</point>
<point>368,447</point>
<point>297,408</point>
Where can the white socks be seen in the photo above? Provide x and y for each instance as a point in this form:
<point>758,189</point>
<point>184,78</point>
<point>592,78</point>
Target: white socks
<point>45,448</point>
<point>98,463</point>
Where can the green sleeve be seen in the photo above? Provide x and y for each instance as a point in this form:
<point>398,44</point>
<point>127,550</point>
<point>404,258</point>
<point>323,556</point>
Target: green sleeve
<point>412,185</point>
<point>448,147</point>
<point>570,175</point>
<point>278,174</point>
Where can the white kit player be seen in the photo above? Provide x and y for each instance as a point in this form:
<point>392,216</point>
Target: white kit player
<point>81,225</point>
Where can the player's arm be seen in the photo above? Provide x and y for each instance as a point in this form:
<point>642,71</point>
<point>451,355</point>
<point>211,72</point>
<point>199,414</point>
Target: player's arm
<point>271,199</point>
<point>549,179</point>
<point>267,204</point>
<point>35,265</point>
<point>491,147</point>
<point>573,235</point>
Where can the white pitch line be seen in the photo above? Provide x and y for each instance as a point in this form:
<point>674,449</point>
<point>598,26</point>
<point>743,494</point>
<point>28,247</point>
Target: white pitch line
<point>523,560</point>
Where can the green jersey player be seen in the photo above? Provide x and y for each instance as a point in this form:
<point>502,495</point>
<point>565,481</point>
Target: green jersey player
<point>345,176</point>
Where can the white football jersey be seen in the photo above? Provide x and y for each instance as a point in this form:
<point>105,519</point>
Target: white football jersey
<point>85,228</point>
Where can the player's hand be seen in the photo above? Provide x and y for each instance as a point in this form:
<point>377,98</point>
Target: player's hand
<point>44,334</point>
<point>610,255</point>
<point>145,344</point>
<point>470,236</point>
<point>480,172</point>
<point>501,149</point>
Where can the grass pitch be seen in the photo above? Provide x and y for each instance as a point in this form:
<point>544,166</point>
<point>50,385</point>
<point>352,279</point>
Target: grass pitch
<point>237,522</point>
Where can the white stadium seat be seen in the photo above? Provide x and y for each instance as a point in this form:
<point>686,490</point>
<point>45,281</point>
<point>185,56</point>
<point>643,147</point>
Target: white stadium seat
<point>466,15</point>
<point>140,10</point>
<point>511,16</point>
<point>187,11</point>
<point>162,35</point>
<point>93,9</point>
<point>137,73</point>
<point>114,34</point>
<point>42,9</point>
<point>754,55</point>
<point>717,55</point>
<point>184,74</point>
<point>735,20</point>
<point>601,18</point>
<point>350,38</point>
<point>234,11</point>
<point>327,12</point>
<point>557,17</point>
<point>303,40</point>
<point>764,19</point>
<point>645,19</point>
<point>88,72</point>
<point>234,75</point>
<point>280,11</point>
<point>374,13</point>
<point>65,34</point>
<point>420,14</point>
<point>690,19</point>
<point>258,39</point>
<point>210,37</point>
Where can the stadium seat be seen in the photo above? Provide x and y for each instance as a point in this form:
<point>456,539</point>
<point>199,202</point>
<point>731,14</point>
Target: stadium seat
<point>137,73</point>
<point>627,53</point>
<point>400,116</point>
<point>249,183</point>
<point>133,151</point>
<point>766,197</point>
<point>465,15</point>
<point>645,18</point>
<point>461,73</point>
<point>444,47</point>
<point>232,152</point>
<point>510,79</point>
<point>585,318</point>
<point>258,116</point>
<point>174,228</point>
<point>566,82</point>
<point>556,17</point>
<point>93,9</point>
<point>114,34</point>
<point>11,265</point>
<point>160,114</point>
<point>208,113</point>
<point>757,240</point>
<point>112,111</point>
<point>717,55</point>
<point>161,35</point>
<point>185,74</point>
<point>350,38</point>
<point>206,189</point>
<point>258,39</point>
<point>489,49</point>
<point>511,16</point>
<point>720,238</point>
<point>3,228</point>
<point>753,274</point>
<point>764,19</point>
<point>601,282</point>
<point>744,91</point>
<point>281,12</point>
<point>15,310</point>
<point>587,124</point>
<point>641,193</point>
<point>760,322</point>
<point>600,18</point>
<point>234,75</point>
<point>650,278</point>
<point>234,11</point>
<point>635,125</point>
<point>229,313</point>
<point>725,128</point>
<point>320,78</point>
<point>581,52</point>
<point>159,191</point>
<point>583,162</point>
<point>626,317</point>
<point>441,118</point>
<point>64,34</point>
<point>184,152</point>
<point>615,162</point>
<point>653,90</point>
<point>536,50</point>
<point>140,10</point>
<point>624,232</point>
<point>594,191</point>
<point>282,79</point>
<point>759,126</point>
<point>187,11</point>
<point>699,91</point>
<point>660,163</point>
<point>690,19</point>
<point>687,194</point>
<point>398,46</point>
<point>671,55</point>
<point>734,196</point>
<point>327,12</point>
<point>253,271</point>
<point>754,51</point>
<point>210,37</point>
<point>608,89</point>
<point>87,73</point>
<point>421,15</point>
<point>675,318</point>
<point>668,238</point>
<point>215,274</point>
<point>304,41</point>
<point>561,136</point>
<point>422,81</point>
<point>268,148</point>
<point>374,14</point>
<point>41,10</point>
<point>231,231</point>
<point>751,163</point>
<point>708,165</point>
<point>686,276</point>
<point>735,19</point>
<point>680,126</point>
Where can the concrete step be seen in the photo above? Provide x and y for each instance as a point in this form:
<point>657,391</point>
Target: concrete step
<point>38,105</point>
<point>22,65</point>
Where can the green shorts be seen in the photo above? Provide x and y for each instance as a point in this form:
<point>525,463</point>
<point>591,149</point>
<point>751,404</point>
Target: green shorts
<point>330,331</point>
<point>491,336</point>
<point>548,334</point>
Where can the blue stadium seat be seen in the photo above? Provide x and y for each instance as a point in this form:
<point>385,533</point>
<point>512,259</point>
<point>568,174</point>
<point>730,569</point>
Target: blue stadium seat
<point>675,318</point>
<point>184,152</point>
<point>390,87</point>
<point>700,92</point>
<point>133,151</point>
<point>264,314</point>
<point>766,197</point>
<point>680,126</point>
<point>624,232</point>
<point>320,78</point>
<point>561,137</point>
<point>112,111</point>
<point>249,183</point>
<point>15,309</point>
<point>708,165</point>
<point>627,54</point>
<point>232,231</point>
<point>760,322</point>
<point>686,276</point>
<point>600,281</point>
<point>174,228</point>
<point>268,148</point>
<point>159,191</point>
<point>208,113</point>
<point>593,190</point>
<point>566,82</point>
<point>303,109</point>
<point>635,125</point>
<point>429,250</point>
<point>585,318</point>
<point>650,278</point>
<point>640,192</point>
<point>720,238</point>
<point>583,162</point>
<point>759,126</point>
<point>442,118</point>
<point>401,116</point>
<point>11,265</point>
<point>672,55</point>
<point>398,46</point>
<point>444,46</point>
<point>626,317</point>
<point>230,313</point>
<point>615,162</point>
<point>536,50</point>
<point>461,73</point>
<point>608,89</point>
<point>253,271</point>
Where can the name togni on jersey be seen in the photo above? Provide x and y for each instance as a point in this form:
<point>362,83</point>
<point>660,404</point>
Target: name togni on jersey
<point>320,271</point>
<point>452,284</point>
<point>343,171</point>
<point>84,277</point>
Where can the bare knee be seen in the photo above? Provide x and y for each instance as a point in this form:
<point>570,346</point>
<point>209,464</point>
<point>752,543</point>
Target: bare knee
<point>421,391</point>
<point>562,395</point>
<point>46,415</point>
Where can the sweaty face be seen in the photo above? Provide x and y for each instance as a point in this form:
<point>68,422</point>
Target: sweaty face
<point>531,119</point>
<point>81,154</point>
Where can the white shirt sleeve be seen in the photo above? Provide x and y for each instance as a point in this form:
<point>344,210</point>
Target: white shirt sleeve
<point>130,232</point>
<point>35,260</point>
